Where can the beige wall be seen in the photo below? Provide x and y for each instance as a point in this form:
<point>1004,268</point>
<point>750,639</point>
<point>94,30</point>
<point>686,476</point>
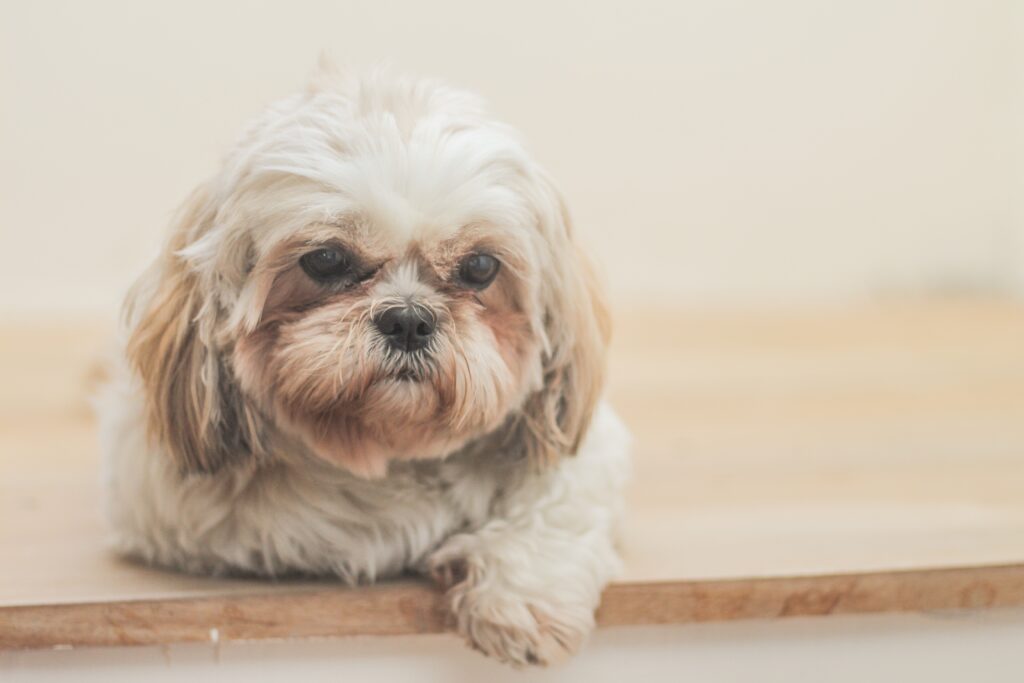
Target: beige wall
<point>714,152</point>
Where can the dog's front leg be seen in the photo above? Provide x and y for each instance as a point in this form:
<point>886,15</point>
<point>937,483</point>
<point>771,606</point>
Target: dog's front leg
<point>524,586</point>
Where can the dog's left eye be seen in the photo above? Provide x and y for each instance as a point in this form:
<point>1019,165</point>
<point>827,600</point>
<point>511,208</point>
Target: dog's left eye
<point>478,270</point>
<point>326,264</point>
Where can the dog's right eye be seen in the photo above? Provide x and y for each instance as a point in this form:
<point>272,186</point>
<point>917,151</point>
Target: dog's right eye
<point>326,264</point>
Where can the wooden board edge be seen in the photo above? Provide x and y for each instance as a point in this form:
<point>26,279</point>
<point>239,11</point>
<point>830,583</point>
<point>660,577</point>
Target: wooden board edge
<point>972,587</point>
<point>414,608</point>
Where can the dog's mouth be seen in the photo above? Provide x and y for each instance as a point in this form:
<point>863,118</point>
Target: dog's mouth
<point>410,367</point>
<point>407,375</point>
<point>407,372</point>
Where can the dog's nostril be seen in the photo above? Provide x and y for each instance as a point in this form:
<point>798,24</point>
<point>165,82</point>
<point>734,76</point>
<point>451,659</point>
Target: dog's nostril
<point>407,328</point>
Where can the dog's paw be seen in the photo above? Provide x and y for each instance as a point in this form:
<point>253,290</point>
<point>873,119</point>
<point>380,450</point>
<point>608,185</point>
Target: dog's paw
<point>497,621</point>
<point>517,633</point>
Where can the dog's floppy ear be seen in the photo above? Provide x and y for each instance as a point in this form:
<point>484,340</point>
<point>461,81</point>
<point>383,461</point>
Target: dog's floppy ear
<point>577,328</point>
<point>193,406</point>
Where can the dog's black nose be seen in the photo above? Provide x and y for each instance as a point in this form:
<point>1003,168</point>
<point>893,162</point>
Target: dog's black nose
<point>408,328</point>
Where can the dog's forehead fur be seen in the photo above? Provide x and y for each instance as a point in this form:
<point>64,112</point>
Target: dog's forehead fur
<point>409,164</point>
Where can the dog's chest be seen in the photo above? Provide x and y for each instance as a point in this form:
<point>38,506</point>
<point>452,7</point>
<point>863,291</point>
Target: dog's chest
<point>382,527</point>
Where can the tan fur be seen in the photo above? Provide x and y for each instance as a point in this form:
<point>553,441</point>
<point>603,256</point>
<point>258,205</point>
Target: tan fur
<point>192,405</point>
<point>556,418</point>
<point>315,367</point>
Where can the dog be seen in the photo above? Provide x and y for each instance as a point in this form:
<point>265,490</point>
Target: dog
<point>373,345</point>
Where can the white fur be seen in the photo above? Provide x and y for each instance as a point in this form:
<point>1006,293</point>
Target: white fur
<point>524,551</point>
<point>542,547</point>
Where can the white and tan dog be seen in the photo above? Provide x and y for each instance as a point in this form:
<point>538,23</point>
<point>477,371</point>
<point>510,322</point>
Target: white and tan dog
<point>372,345</point>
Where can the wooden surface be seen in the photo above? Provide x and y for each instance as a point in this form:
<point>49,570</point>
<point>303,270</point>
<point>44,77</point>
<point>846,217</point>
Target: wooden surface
<point>786,463</point>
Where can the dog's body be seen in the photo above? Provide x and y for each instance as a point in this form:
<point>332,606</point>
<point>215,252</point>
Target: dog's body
<point>275,415</point>
<point>542,541</point>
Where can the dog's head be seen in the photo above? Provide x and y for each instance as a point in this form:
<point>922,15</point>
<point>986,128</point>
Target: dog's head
<point>380,272</point>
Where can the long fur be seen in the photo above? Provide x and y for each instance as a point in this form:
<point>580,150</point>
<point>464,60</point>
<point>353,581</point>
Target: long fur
<point>261,424</point>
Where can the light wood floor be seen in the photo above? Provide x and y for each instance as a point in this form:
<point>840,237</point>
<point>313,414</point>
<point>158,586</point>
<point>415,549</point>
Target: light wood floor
<point>786,463</point>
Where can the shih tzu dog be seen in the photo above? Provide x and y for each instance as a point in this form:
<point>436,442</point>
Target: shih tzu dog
<point>372,345</point>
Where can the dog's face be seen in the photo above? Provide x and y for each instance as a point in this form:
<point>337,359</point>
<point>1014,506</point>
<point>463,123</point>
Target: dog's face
<point>379,272</point>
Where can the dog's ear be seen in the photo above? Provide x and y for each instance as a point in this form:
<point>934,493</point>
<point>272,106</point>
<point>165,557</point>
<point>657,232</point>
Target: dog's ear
<point>577,329</point>
<point>194,408</point>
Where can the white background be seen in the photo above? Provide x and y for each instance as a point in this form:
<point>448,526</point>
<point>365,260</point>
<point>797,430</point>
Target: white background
<point>714,153</point>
